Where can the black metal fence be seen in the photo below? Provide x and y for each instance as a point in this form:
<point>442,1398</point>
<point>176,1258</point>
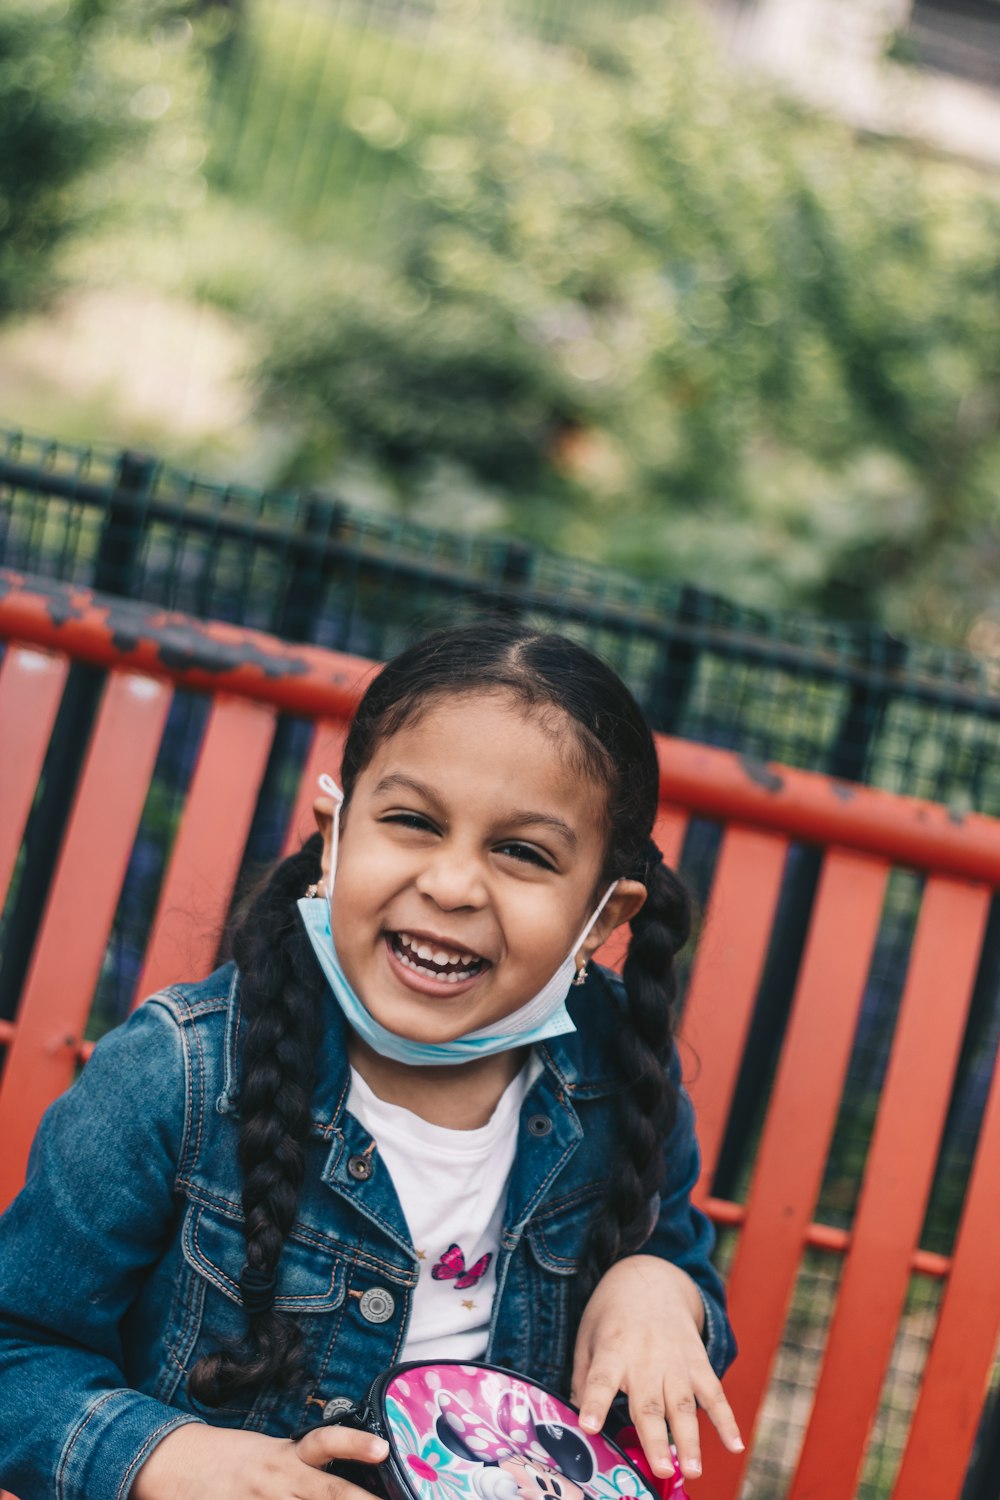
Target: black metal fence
<point>854,702</point>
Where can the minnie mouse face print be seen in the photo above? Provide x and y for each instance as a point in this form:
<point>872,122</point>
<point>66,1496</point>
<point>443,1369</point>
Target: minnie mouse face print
<point>519,1456</point>
<point>469,1432</point>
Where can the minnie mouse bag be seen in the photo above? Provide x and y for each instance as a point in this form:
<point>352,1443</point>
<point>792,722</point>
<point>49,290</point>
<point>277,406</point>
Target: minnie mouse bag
<point>476,1432</point>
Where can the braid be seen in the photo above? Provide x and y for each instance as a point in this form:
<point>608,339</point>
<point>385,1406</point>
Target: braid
<point>280,986</point>
<point>647,1108</point>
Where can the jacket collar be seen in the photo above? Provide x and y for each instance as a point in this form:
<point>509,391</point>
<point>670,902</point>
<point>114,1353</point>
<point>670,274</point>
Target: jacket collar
<point>581,1060</point>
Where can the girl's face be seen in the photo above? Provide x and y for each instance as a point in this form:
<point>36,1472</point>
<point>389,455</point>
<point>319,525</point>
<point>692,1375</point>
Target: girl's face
<point>469,862</point>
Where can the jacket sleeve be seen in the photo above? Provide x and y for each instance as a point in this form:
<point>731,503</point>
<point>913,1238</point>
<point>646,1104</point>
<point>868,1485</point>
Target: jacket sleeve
<point>75,1247</point>
<point>683,1235</point>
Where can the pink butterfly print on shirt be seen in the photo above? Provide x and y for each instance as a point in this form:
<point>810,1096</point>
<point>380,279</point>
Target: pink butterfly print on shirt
<point>451,1267</point>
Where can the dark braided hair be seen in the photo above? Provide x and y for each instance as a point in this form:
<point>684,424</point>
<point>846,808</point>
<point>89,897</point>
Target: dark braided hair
<point>625,1217</point>
<point>280,989</point>
<point>281,984</point>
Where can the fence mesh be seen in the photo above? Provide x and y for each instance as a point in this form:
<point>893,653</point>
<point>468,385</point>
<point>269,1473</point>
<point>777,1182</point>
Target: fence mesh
<point>850,700</point>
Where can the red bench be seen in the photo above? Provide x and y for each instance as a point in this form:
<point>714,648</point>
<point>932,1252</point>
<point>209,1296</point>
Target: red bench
<point>864,834</point>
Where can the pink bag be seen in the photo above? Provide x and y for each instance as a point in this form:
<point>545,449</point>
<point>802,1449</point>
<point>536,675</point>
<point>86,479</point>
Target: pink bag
<point>477,1432</point>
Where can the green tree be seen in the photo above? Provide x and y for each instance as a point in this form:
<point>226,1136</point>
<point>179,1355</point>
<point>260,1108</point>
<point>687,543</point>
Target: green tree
<point>646,311</point>
<point>86,89</point>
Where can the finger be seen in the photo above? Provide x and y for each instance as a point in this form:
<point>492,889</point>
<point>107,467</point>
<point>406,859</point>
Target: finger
<point>649,1418</point>
<point>682,1415</point>
<point>323,1445</point>
<point>600,1388</point>
<point>310,1484</point>
<point>712,1400</point>
<point>581,1366</point>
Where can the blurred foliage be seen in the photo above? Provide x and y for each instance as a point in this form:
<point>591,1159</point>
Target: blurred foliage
<point>545,267</point>
<point>627,304</point>
<point>88,90</point>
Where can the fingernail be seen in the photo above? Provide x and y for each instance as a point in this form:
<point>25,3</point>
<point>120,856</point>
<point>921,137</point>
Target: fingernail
<point>589,1421</point>
<point>692,1467</point>
<point>739,1446</point>
<point>378,1447</point>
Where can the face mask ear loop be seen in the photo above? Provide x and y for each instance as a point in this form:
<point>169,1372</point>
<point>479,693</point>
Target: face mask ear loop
<point>329,786</point>
<point>588,929</point>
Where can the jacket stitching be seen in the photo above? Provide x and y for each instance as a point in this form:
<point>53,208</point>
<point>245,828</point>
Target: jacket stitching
<point>64,1461</point>
<point>302,1301</point>
<point>302,1234</point>
<point>569,1200</point>
<point>199,1103</point>
<point>141,1455</point>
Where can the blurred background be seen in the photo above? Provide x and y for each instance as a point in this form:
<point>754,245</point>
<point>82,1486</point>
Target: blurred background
<point>706,291</point>
<point>675,325</point>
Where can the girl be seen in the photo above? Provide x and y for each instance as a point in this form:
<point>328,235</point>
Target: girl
<point>410,1121</point>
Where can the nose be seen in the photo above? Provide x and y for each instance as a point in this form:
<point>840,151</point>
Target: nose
<point>453,879</point>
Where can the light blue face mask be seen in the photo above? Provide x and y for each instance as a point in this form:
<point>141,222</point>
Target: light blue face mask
<point>544,1016</point>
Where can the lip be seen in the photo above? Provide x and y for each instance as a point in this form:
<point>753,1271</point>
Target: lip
<point>440,989</point>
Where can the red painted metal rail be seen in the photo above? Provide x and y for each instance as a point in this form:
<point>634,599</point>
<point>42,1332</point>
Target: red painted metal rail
<point>148,654</point>
<point>315,683</point>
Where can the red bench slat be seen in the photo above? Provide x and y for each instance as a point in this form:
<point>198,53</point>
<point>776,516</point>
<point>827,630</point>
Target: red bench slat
<point>965,1341</point>
<point>797,1134</point>
<point>79,912</point>
<point>893,1201</point>
<point>207,852</point>
<point>31,684</point>
<point>726,977</point>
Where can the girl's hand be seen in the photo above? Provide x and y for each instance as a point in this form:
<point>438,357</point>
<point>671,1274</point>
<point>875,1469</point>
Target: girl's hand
<point>641,1334</point>
<point>198,1462</point>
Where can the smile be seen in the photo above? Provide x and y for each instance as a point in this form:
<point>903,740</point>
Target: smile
<point>432,961</point>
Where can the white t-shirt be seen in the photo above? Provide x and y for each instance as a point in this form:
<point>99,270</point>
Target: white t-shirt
<point>452,1187</point>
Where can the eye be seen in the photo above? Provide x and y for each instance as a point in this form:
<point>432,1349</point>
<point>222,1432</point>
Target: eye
<point>525,853</point>
<point>413,820</point>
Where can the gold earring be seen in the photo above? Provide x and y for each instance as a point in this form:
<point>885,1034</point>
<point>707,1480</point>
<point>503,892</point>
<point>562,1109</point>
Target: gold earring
<point>581,974</point>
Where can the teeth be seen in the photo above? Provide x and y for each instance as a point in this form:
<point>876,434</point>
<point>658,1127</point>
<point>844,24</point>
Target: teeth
<point>431,954</point>
<point>408,951</point>
<point>452,977</point>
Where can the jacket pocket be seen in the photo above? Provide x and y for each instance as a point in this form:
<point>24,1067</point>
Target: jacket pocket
<point>558,1234</point>
<point>555,1239</point>
<point>310,1279</point>
<point>208,1313</point>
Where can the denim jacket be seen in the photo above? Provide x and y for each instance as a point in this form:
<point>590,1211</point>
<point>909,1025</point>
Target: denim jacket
<point>119,1261</point>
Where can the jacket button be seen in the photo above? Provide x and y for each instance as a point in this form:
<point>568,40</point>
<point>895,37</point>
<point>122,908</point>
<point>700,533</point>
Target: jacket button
<point>360,1168</point>
<point>337,1406</point>
<point>539,1124</point>
<point>377,1305</point>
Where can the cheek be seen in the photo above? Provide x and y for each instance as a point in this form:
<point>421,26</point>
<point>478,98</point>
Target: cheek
<point>364,872</point>
<point>541,935</point>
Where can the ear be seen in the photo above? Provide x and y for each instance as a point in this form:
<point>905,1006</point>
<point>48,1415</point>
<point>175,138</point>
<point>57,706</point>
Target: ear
<point>323,809</point>
<point>625,900</point>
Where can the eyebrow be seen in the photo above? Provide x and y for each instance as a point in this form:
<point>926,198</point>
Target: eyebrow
<point>525,818</point>
<point>544,820</point>
<point>406,783</point>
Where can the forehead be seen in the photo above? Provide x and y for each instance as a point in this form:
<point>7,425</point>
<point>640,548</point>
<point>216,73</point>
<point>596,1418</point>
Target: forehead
<point>515,753</point>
